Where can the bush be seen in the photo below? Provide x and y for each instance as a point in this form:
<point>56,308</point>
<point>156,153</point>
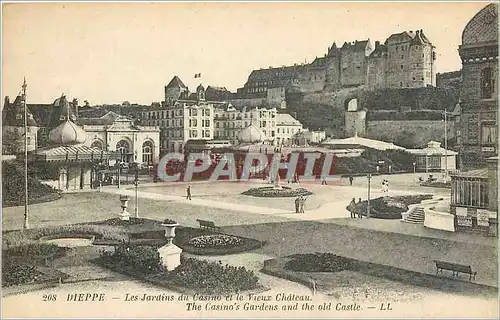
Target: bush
<point>142,260</point>
<point>318,262</point>
<point>13,274</point>
<point>212,277</point>
<point>13,186</point>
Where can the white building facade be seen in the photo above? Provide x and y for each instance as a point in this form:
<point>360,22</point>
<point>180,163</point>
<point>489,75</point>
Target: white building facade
<point>139,144</point>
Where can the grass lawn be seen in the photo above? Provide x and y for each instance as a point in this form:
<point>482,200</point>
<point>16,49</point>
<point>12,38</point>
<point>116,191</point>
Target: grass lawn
<point>302,268</point>
<point>93,206</point>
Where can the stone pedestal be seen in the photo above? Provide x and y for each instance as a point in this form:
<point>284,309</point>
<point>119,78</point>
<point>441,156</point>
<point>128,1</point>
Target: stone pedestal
<point>170,255</point>
<point>124,215</point>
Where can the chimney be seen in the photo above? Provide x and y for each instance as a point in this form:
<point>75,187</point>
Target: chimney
<point>7,101</point>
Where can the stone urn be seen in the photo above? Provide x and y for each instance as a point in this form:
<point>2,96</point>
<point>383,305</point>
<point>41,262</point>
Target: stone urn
<point>124,215</point>
<point>170,254</point>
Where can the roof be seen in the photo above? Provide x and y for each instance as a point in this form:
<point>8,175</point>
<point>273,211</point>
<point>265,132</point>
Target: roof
<point>356,45</point>
<point>379,51</point>
<point>478,173</point>
<point>251,134</point>
<point>358,141</point>
<point>483,27</point>
<point>176,83</point>
<point>285,119</point>
<point>73,153</point>
<point>67,133</point>
<point>433,148</point>
<point>107,119</point>
<point>62,110</point>
<point>271,72</point>
<point>13,114</point>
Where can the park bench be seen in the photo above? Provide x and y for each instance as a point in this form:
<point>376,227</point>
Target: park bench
<point>204,224</point>
<point>455,268</point>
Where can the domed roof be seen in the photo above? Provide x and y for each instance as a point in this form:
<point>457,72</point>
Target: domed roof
<point>67,133</point>
<point>483,27</point>
<point>62,111</point>
<point>200,88</point>
<point>251,134</point>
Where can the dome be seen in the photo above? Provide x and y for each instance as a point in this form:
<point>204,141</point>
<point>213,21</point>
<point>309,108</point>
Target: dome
<point>62,111</point>
<point>483,27</point>
<point>251,134</point>
<point>67,133</point>
<point>200,88</point>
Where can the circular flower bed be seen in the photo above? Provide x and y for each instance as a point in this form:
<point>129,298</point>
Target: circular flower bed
<point>215,241</point>
<point>273,192</point>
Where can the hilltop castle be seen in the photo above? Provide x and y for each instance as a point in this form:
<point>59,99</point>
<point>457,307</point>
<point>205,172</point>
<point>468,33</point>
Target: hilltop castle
<point>405,60</point>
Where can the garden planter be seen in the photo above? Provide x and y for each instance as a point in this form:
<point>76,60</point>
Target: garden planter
<point>124,215</point>
<point>170,254</point>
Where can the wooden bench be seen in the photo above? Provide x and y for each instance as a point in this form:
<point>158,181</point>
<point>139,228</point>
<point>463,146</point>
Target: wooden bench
<point>455,268</point>
<point>210,225</point>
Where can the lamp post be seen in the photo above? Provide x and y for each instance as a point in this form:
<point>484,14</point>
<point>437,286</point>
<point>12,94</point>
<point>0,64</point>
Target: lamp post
<point>26,222</point>
<point>414,171</point>
<point>136,184</point>
<point>369,176</point>
<point>445,178</point>
<point>119,168</point>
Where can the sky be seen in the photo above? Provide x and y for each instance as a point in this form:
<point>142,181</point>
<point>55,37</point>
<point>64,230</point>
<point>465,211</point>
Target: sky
<point>108,53</point>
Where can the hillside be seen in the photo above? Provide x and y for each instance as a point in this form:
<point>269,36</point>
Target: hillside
<point>326,110</point>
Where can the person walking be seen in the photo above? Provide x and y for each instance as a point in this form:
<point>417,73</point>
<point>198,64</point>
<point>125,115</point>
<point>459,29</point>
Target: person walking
<point>351,208</point>
<point>351,178</point>
<point>297,204</point>
<point>188,193</point>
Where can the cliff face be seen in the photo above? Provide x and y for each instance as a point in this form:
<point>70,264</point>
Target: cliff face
<point>395,113</point>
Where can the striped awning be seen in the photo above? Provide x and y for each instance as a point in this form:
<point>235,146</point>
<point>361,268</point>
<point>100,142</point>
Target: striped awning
<point>80,153</point>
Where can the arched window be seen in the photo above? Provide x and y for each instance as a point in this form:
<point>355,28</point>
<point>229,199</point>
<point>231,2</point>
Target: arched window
<point>487,83</point>
<point>97,144</point>
<point>147,152</point>
<point>123,147</point>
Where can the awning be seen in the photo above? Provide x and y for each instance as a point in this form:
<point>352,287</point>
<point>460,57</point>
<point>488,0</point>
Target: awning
<point>74,153</point>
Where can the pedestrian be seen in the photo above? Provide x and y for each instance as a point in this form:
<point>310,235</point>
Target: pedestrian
<point>390,169</point>
<point>351,208</point>
<point>383,186</point>
<point>323,181</point>
<point>378,169</point>
<point>360,213</point>
<point>302,203</point>
<point>297,204</point>
<point>351,178</point>
<point>188,193</point>
<point>386,185</point>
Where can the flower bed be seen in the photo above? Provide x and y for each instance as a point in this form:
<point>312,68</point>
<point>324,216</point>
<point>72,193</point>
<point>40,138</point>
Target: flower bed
<point>195,275</point>
<point>273,192</point>
<point>215,241</point>
<point>20,264</point>
<point>388,207</point>
<point>207,242</point>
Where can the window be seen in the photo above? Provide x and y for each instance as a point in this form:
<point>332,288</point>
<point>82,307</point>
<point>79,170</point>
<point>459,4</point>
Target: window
<point>207,112</point>
<point>487,83</point>
<point>147,152</point>
<point>402,57</point>
<point>401,67</point>
<point>401,83</point>
<point>488,134</point>
<point>217,124</point>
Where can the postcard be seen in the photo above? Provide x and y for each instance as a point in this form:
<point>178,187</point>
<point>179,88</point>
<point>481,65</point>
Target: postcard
<point>250,160</point>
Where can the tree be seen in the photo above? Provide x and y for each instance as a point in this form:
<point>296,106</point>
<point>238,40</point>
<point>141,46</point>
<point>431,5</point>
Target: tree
<point>12,142</point>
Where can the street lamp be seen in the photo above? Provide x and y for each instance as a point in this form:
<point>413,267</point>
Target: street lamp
<point>136,184</point>
<point>369,176</point>
<point>414,171</point>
